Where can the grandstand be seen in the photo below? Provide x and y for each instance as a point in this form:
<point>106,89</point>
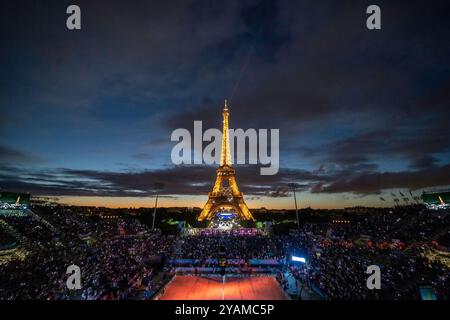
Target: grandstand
<point>14,197</point>
<point>123,258</point>
<point>436,197</point>
<point>436,200</point>
<point>12,200</point>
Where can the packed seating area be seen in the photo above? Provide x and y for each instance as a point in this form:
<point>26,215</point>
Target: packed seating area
<point>5,239</point>
<point>237,247</point>
<point>337,268</point>
<point>114,265</point>
<point>398,240</point>
<point>124,259</point>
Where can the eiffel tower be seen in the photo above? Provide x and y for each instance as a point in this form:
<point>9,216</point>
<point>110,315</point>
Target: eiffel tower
<point>225,193</point>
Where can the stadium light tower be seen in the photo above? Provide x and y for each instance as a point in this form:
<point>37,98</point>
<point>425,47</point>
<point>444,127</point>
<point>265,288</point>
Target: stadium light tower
<point>293,186</point>
<point>158,186</point>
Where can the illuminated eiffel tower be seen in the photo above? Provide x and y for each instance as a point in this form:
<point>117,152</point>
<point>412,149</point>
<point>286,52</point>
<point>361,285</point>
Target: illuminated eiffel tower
<point>225,194</point>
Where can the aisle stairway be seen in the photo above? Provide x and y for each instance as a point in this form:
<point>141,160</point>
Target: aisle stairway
<point>13,233</point>
<point>44,222</point>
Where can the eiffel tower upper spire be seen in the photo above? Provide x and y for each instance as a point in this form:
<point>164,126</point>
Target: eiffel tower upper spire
<point>225,158</point>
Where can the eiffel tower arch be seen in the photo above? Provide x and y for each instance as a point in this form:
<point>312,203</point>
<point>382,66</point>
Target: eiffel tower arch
<point>225,193</point>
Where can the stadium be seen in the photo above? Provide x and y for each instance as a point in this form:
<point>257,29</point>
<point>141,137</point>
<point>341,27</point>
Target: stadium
<point>258,155</point>
<point>224,251</point>
<point>124,258</point>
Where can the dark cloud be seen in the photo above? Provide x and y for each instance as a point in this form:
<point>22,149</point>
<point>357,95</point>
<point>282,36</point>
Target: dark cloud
<point>374,182</point>
<point>363,79</point>
<point>198,180</point>
<point>141,156</point>
<point>424,162</point>
<point>183,180</point>
<point>13,156</point>
<point>418,147</point>
<point>369,110</point>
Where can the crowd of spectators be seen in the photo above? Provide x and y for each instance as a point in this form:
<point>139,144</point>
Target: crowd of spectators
<point>339,252</point>
<point>120,268</point>
<point>236,247</point>
<point>399,241</point>
<point>6,239</point>
<point>124,259</point>
<point>339,271</point>
<point>117,258</point>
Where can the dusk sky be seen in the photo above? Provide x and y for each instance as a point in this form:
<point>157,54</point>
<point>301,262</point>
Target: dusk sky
<point>86,115</point>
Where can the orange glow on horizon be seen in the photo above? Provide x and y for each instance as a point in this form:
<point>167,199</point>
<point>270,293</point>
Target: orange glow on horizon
<point>305,200</point>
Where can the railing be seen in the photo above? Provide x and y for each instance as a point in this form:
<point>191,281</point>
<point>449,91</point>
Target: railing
<point>218,232</point>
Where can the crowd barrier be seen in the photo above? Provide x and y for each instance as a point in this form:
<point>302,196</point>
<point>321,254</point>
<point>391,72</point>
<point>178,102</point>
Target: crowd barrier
<point>230,262</point>
<point>228,270</point>
<point>221,232</point>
